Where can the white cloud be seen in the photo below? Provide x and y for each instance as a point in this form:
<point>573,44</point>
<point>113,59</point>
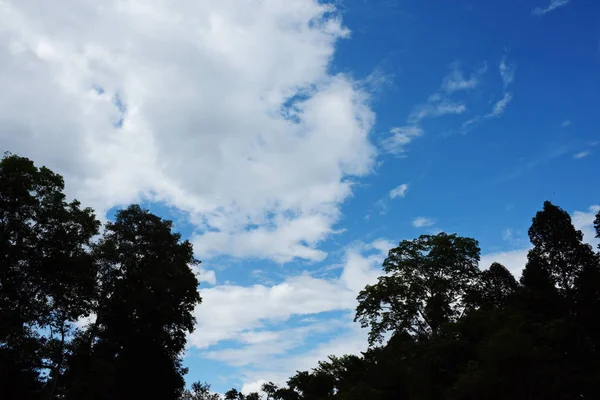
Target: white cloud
<point>513,260</point>
<point>553,5</point>
<point>399,191</point>
<point>204,275</point>
<point>350,340</point>
<point>422,222</point>
<point>584,221</point>
<point>400,138</point>
<point>249,316</point>
<point>436,109</point>
<point>201,90</point>
<point>566,123</point>
<point>456,81</point>
<point>227,311</point>
<point>438,104</point>
<point>500,105</point>
<point>507,72</point>
<point>507,234</point>
<point>581,154</point>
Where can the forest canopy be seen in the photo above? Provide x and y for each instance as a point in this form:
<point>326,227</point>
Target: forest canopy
<point>441,325</point>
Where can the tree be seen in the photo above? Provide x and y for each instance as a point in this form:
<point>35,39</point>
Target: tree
<point>425,285</point>
<point>234,394</point>
<point>46,274</point>
<point>200,391</point>
<point>597,225</point>
<point>147,294</point>
<point>495,288</point>
<point>312,386</point>
<point>558,247</point>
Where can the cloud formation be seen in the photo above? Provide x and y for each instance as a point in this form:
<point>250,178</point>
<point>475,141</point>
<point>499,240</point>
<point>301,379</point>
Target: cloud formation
<point>422,222</point>
<point>249,318</point>
<point>438,104</point>
<point>225,110</point>
<point>399,191</point>
<point>507,74</point>
<point>553,5</point>
<point>581,154</point>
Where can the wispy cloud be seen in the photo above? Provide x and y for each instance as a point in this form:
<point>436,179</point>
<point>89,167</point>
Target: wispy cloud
<point>438,104</point>
<point>400,138</point>
<point>498,110</point>
<point>507,72</point>
<point>553,5</point>
<point>399,191</point>
<point>581,155</point>
<point>501,105</point>
<point>436,109</point>
<point>422,222</point>
<point>566,123</point>
<point>553,152</point>
<point>456,81</point>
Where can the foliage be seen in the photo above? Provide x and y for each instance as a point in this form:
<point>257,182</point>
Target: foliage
<point>425,286</point>
<point>440,327</point>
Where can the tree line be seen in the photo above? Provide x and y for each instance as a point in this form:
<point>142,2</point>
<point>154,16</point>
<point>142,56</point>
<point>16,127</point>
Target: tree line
<point>102,312</point>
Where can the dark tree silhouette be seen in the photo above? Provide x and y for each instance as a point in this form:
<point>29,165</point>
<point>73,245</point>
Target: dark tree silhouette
<point>147,293</point>
<point>46,275</point>
<point>425,285</point>
<point>440,328</point>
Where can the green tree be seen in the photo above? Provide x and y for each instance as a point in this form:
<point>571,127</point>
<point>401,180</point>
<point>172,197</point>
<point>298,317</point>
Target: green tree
<point>426,283</point>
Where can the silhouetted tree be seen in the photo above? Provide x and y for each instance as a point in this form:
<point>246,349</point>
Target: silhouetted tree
<point>147,293</point>
<point>46,275</point>
<point>200,391</point>
<point>425,286</point>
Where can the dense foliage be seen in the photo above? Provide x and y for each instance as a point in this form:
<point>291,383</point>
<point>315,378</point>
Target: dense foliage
<point>440,326</point>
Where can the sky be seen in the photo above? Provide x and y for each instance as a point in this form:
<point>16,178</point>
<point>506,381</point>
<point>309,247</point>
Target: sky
<point>294,142</point>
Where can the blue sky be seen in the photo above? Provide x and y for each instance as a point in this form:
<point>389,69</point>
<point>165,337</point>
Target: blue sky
<point>294,142</point>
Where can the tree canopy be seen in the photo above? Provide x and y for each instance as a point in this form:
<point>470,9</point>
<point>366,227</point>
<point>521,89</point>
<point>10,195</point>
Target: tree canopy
<point>102,312</point>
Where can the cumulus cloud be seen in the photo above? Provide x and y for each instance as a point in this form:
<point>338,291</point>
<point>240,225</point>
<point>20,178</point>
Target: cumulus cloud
<point>399,191</point>
<point>422,222</point>
<point>584,221</point>
<point>227,311</point>
<point>204,275</point>
<point>251,318</point>
<point>513,260</point>
<point>553,5</point>
<point>225,110</point>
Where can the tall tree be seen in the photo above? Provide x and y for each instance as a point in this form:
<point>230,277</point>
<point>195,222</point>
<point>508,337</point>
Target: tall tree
<point>46,273</point>
<point>425,285</point>
<point>558,247</point>
<point>495,289</point>
<point>144,310</point>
